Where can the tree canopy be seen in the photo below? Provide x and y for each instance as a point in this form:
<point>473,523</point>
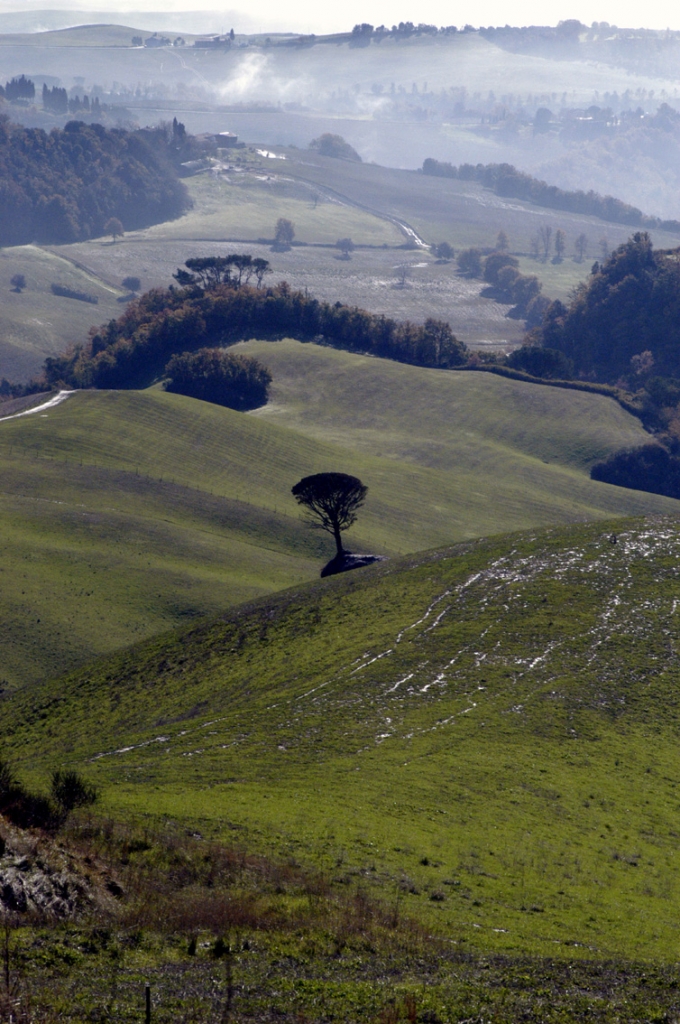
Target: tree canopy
<point>331,501</point>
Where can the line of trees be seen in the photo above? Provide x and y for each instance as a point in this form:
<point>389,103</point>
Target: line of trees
<point>133,350</point>
<point>501,271</point>
<point>505,180</point>
<point>63,186</point>
<point>57,101</point>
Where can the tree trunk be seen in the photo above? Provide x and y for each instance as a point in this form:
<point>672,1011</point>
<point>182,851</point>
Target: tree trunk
<point>338,539</point>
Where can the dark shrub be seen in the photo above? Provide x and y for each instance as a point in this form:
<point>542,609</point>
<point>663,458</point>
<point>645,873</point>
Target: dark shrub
<point>541,362</point>
<point>239,382</point>
<point>72,293</point>
<point>69,790</point>
<point>650,468</point>
<point>496,262</point>
<point>22,808</point>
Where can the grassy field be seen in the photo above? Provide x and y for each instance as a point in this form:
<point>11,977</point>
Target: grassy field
<point>125,513</point>
<point>487,734</point>
<point>248,205</point>
<point>326,199</point>
<point>35,323</point>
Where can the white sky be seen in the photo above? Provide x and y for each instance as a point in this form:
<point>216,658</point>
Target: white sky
<point>309,16</point>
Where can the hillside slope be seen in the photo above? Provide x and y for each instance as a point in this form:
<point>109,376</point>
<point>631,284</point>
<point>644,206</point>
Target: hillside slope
<point>495,724</point>
<point>125,513</point>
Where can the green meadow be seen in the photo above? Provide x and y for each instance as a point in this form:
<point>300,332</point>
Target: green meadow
<point>247,204</point>
<point>486,734</point>
<point>127,513</point>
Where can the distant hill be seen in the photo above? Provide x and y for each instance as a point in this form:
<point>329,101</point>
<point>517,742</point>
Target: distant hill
<point>506,180</point>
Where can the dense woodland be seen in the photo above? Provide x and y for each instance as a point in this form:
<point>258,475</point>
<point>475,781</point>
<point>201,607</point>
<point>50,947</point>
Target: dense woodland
<point>134,349</point>
<point>63,186</point>
<point>505,180</point>
<point>624,321</point>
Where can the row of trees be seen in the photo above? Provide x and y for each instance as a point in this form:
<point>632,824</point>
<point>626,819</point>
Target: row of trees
<point>545,241</point>
<point>57,101</point>
<point>133,350</point>
<point>505,180</point>
<point>63,186</point>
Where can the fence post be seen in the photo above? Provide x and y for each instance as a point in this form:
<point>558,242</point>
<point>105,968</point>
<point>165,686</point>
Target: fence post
<point>147,995</point>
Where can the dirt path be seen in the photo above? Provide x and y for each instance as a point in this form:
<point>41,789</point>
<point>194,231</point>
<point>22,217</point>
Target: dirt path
<point>330,193</point>
<point>49,404</point>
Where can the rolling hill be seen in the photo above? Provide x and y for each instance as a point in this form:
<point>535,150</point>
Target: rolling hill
<point>490,729</point>
<point>126,513</point>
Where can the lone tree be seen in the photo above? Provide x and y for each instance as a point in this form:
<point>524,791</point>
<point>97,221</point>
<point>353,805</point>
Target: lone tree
<point>331,501</point>
<point>284,232</point>
<point>346,247</point>
<point>114,228</point>
<point>18,282</point>
<point>581,247</point>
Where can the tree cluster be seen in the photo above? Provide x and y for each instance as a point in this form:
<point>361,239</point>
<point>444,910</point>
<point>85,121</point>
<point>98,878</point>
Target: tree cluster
<point>213,375</point>
<point>501,270</point>
<point>134,349</point>
<point>505,180</point>
<point>63,186</point>
<point>541,362</point>
<point>234,270</point>
<point>628,309</point>
<point>21,88</point>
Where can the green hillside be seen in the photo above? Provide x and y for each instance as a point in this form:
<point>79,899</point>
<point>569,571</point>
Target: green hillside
<point>125,513</point>
<point>495,724</point>
<point>35,323</point>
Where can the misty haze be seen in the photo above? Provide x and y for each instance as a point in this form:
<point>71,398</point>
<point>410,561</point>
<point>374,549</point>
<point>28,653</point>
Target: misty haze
<point>339,545</point>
